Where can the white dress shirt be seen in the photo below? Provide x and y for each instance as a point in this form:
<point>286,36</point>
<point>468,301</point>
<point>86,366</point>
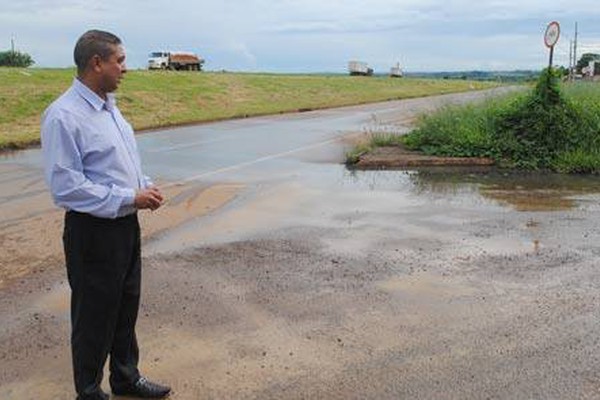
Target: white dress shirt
<point>91,160</point>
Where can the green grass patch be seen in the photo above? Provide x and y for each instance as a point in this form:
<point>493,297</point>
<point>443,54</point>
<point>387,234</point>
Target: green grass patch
<point>151,99</point>
<point>553,127</point>
<point>372,140</point>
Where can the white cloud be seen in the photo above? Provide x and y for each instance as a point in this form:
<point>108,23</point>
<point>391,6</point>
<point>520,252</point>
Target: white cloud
<point>307,35</point>
<point>589,48</point>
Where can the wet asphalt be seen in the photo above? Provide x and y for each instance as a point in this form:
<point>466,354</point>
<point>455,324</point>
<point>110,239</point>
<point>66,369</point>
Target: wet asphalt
<point>320,282</point>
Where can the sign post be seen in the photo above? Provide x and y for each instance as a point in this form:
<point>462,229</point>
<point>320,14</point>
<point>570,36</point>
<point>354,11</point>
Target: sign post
<point>551,38</point>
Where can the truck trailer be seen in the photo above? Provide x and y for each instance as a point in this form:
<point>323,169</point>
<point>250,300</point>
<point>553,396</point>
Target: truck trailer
<point>396,71</point>
<point>175,60</point>
<point>359,68</point>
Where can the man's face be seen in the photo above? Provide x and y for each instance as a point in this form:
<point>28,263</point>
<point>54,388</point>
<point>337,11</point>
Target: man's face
<point>112,70</point>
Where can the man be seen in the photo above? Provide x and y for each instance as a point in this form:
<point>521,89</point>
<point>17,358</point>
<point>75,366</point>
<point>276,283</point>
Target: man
<point>93,169</point>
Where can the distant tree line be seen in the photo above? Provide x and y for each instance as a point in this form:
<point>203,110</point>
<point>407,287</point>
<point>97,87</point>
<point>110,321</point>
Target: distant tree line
<point>585,60</point>
<point>15,59</point>
<point>504,76</point>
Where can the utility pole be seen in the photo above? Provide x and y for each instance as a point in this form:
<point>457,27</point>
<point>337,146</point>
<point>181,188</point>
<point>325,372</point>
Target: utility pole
<point>12,51</point>
<point>575,49</point>
<point>570,60</point>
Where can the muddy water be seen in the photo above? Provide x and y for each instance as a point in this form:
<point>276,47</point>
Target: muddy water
<point>523,191</point>
<point>318,194</point>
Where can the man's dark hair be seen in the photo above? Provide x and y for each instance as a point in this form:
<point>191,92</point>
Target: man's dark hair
<point>91,43</point>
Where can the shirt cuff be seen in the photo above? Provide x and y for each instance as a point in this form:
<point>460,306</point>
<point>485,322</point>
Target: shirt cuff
<point>148,182</point>
<point>128,197</point>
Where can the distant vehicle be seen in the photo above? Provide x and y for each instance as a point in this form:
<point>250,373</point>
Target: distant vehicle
<point>175,60</point>
<point>359,68</point>
<point>396,72</point>
<point>593,68</point>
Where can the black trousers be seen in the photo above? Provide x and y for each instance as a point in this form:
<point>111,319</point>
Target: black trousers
<point>104,270</point>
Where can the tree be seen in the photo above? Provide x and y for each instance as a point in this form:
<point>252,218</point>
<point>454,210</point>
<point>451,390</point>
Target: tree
<point>561,71</point>
<point>585,60</point>
<point>15,59</point>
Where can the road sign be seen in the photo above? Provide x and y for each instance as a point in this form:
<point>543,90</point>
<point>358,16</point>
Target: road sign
<point>551,38</point>
<point>552,34</point>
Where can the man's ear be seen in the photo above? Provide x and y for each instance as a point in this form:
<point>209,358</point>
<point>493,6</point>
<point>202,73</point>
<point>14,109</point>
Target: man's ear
<point>96,63</point>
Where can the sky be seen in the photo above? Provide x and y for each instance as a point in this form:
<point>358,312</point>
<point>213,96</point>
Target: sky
<point>310,35</point>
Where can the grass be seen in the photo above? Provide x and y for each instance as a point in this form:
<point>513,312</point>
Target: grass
<point>554,127</point>
<point>461,131</point>
<point>584,157</point>
<point>167,98</point>
<point>372,140</point>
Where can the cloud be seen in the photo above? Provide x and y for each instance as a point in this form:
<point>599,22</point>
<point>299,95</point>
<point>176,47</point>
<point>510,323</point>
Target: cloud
<point>593,46</point>
<point>307,35</point>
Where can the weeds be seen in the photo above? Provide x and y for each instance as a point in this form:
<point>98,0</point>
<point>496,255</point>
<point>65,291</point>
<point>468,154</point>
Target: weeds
<point>371,140</point>
<point>551,128</point>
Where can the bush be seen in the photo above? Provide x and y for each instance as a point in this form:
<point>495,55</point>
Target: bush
<point>15,59</point>
<point>459,131</point>
<point>548,128</point>
<point>536,130</point>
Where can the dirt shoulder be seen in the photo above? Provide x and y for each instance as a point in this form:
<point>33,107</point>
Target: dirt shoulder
<point>31,226</point>
<point>399,157</point>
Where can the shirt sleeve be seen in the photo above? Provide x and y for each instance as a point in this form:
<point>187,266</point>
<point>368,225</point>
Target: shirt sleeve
<point>148,182</point>
<point>63,168</point>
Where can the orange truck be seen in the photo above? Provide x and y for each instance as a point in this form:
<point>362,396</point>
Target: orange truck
<point>175,60</point>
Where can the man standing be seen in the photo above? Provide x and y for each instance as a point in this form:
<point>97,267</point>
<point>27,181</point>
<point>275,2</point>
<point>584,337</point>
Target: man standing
<point>93,169</point>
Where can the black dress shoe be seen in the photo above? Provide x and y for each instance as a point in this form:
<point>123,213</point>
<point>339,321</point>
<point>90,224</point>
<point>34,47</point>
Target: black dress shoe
<point>144,389</point>
<point>99,395</point>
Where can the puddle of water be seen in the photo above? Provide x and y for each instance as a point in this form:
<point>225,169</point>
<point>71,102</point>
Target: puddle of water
<point>518,190</point>
<point>331,196</point>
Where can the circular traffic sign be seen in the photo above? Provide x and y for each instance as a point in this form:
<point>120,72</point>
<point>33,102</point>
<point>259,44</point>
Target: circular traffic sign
<point>552,34</point>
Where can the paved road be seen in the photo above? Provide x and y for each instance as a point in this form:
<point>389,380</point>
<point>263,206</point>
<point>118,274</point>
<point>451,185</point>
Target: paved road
<point>273,272</point>
<point>228,150</point>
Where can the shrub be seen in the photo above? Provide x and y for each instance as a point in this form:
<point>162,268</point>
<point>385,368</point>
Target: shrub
<point>15,59</point>
<point>460,131</point>
<point>536,130</point>
<point>547,128</point>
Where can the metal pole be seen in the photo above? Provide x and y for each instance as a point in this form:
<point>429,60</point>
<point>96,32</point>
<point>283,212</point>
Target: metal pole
<point>12,51</point>
<point>570,60</point>
<point>575,49</point>
<point>551,57</point>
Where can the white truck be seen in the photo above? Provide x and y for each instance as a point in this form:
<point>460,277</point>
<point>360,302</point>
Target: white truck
<point>359,68</point>
<point>175,60</point>
<point>593,68</point>
<point>396,71</point>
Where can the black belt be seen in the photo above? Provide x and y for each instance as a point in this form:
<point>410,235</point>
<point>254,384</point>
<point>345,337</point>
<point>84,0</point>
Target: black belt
<point>131,216</point>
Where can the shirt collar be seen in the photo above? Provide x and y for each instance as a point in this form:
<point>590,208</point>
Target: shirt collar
<point>97,102</point>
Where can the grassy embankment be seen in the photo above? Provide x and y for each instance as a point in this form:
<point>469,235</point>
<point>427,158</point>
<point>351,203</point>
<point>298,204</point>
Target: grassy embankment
<point>552,127</point>
<point>161,99</point>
